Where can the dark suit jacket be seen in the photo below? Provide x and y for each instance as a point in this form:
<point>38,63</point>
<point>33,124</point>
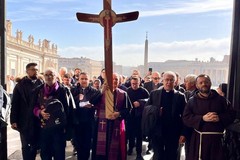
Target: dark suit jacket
<point>92,95</point>
<point>22,105</point>
<point>149,86</point>
<point>178,105</point>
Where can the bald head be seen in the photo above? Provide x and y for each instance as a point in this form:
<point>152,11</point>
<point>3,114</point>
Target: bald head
<point>155,77</point>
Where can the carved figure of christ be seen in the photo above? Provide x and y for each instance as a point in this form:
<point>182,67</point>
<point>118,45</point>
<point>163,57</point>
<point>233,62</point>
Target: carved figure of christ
<point>108,18</point>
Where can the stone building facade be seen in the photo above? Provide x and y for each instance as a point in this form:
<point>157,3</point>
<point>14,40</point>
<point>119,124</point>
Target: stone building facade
<point>20,52</point>
<point>217,70</point>
<point>92,67</point>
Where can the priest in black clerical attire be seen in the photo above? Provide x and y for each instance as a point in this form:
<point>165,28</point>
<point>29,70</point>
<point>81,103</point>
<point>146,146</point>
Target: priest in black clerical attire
<point>138,97</point>
<point>85,97</point>
<point>169,130</point>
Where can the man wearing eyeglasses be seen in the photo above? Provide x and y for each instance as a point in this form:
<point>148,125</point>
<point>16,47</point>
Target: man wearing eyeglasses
<point>154,83</point>
<point>21,117</point>
<point>51,107</point>
<point>169,131</point>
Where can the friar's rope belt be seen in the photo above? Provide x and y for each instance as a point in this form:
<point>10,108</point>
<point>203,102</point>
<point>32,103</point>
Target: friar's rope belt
<point>200,141</point>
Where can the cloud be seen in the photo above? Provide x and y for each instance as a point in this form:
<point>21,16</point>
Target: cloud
<point>44,8</point>
<point>133,54</point>
<point>189,50</point>
<point>200,6</point>
<point>40,10</point>
<point>95,53</point>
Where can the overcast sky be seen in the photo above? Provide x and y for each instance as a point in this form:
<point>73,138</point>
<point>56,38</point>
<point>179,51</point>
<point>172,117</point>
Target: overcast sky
<point>177,29</point>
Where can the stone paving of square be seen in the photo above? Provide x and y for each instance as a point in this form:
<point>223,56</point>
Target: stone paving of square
<point>14,148</point>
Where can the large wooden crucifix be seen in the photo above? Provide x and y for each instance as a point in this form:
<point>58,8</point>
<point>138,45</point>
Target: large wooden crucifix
<point>108,18</point>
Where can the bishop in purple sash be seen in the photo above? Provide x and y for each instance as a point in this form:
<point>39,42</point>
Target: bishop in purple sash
<point>110,139</point>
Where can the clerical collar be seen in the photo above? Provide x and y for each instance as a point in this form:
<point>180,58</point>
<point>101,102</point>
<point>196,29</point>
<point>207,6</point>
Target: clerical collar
<point>168,91</point>
<point>34,81</point>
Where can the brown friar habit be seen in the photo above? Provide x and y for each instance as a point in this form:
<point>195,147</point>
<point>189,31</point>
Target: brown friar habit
<point>206,137</point>
<point>111,139</point>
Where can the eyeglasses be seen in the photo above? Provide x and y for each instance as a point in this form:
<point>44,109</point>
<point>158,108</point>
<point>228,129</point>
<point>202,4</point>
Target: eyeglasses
<point>49,75</point>
<point>156,78</point>
<point>169,80</point>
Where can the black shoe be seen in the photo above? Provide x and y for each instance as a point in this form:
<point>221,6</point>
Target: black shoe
<point>148,152</point>
<point>129,152</point>
<point>139,157</point>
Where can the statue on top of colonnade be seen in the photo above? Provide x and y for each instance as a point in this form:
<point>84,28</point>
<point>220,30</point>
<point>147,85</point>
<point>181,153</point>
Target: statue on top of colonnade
<point>42,46</point>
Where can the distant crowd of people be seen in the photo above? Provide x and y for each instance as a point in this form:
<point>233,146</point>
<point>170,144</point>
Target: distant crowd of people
<point>51,108</point>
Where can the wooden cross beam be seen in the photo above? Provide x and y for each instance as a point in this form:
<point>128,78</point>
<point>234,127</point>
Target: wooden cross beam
<point>108,18</point>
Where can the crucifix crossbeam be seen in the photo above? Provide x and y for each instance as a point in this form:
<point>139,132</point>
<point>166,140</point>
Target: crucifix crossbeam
<point>108,18</point>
